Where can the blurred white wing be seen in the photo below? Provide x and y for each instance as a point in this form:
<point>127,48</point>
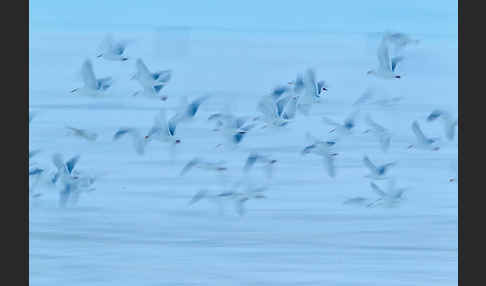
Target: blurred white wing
<point>142,69</point>
<point>88,75</point>
<point>367,162</point>
<point>418,132</point>
<point>384,56</point>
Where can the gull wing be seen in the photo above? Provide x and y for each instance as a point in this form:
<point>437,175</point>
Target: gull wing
<point>299,84</point>
<point>172,124</point>
<point>189,166</point>
<point>290,108</point>
<point>418,132</point>
<point>142,69</point>
<point>280,104</point>
<point>104,83</point>
<point>250,161</point>
<point>121,132</point>
<point>88,75</point>
<point>310,91</point>
<point>329,165</point>
<point>384,56</point>
<point>198,196</point>
<point>377,127</point>
<point>72,163</point>
<point>395,61</point>
<point>450,130</point>
<point>385,140</point>
<point>377,190</point>
<point>367,162</point>
<point>162,76</point>
<point>351,118</point>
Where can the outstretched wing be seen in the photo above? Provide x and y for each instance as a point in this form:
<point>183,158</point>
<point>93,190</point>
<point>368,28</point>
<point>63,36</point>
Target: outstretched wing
<point>142,68</point>
<point>88,75</point>
<point>104,83</point>
<point>329,165</point>
<point>367,162</point>
<point>418,132</point>
<point>189,166</point>
<point>377,190</point>
<point>72,163</point>
<point>395,61</point>
<point>121,132</point>
<point>198,196</point>
<point>383,56</point>
<point>250,161</point>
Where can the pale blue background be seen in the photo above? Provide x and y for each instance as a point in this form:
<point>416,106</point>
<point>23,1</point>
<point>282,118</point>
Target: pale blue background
<point>419,17</point>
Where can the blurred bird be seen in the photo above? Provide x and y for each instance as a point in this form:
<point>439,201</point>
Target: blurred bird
<point>390,197</point>
<point>151,83</point>
<point>255,158</point>
<point>380,132</point>
<point>422,141</point>
<point>386,64</point>
<point>377,172</point>
<point>344,128</point>
<point>322,149</point>
<point>92,86</point>
<point>138,141</point>
<point>112,50</point>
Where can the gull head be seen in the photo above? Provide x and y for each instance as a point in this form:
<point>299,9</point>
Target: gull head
<point>397,76</point>
<point>371,72</point>
<point>177,141</point>
<point>74,90</point>
<point>273,161</point>
<point>99,56</point>
<point>124,59</point>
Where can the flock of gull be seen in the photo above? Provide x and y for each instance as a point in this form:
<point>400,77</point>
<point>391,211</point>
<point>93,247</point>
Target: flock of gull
<point>277,109</point>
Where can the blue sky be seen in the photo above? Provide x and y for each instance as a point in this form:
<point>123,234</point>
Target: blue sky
<point>426,17</point>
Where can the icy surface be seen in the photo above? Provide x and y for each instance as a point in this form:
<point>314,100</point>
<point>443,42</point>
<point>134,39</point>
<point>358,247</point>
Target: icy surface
<point>136,228</point>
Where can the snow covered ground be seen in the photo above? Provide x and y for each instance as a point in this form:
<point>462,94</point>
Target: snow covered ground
<point>136,228</point>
